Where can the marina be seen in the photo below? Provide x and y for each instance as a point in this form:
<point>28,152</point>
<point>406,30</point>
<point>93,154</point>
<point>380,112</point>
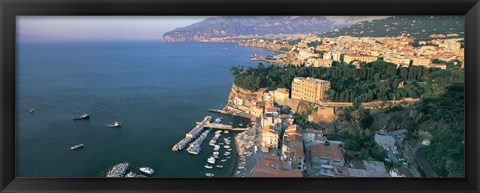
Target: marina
<point>192,134</point>
<point>194,147</point>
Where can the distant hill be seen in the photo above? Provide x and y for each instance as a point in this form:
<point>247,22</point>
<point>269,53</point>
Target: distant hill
<point>417,26</point>
<point>225,26</point>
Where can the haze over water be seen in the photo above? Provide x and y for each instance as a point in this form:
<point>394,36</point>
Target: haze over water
<point>157,90</point>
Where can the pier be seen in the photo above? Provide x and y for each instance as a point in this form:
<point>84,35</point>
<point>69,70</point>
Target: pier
<point>224,127</point>
<point>192,134</point>
<point>225,112</point>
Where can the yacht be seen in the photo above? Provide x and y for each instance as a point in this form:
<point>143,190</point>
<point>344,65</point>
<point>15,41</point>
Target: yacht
<point>82,117</point>
<point>77,146</point>
<point>147,170</point>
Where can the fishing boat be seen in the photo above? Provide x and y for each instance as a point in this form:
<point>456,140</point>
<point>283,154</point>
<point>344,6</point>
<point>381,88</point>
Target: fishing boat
<point>114,124</point>
<point>209,174</point>
<point>219,166</point>
<point>82,117</point>
<point>147,170</point>
<point>77,146</point>
<point>208,166</point>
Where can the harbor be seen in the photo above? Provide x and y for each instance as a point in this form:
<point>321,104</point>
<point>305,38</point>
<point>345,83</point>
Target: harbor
<point>220,144</point>
<point>192,134</point>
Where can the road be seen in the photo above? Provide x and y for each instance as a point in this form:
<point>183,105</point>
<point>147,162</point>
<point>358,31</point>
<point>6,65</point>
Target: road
<point>418,151</point>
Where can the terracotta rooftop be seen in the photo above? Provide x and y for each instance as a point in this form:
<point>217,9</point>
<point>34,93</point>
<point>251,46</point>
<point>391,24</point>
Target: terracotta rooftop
<point>327,151</point>
<point>271,167</point>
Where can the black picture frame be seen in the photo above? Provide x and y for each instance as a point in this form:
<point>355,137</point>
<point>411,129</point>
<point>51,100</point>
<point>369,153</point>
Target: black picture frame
<point>9,9</point>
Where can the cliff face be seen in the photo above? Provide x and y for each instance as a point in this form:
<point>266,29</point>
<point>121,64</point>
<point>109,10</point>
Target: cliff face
<point>230,26</point>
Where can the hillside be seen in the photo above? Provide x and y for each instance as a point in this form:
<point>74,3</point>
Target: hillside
<point>227,26</point>
<point>417,26</point>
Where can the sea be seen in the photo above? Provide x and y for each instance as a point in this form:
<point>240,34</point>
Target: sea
<point>156,90</point>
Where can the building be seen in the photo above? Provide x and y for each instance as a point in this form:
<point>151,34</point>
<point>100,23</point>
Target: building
<point>310,89</point>
<point>269,137</point>
<point>347,58</point>
<point>292,148</point>
<point>313,136</point>
<point>256,111</point>
<point>421,61</point>
<point>271,166</point>
<point>382,139</point>
<point>281,93</point>
<point>322,154</point>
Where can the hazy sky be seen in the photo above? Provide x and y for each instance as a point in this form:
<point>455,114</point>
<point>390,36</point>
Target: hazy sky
<point>81,28</point>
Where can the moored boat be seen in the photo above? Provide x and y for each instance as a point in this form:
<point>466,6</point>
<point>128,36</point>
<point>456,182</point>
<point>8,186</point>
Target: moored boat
<point>209,174</point>
<point>147,170</point>
<point>211,160</point>
<point>208,166</point>
<point>219,166</point>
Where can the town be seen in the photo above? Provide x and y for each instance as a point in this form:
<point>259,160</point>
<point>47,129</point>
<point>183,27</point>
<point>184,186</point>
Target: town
<point>283,148</point>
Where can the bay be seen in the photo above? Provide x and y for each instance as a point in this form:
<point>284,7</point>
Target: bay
<point>157,90</point>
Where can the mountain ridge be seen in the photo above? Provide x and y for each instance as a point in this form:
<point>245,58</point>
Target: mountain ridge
<point>225,26</point>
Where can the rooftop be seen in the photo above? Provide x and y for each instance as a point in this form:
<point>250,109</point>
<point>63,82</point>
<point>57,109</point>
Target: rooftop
<point>327,151</point>
<point>309,79</point>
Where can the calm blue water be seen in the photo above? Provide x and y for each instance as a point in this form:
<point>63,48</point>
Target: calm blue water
<point>157,90</point>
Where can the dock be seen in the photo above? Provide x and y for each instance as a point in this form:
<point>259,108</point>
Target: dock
<point>225,112</point>
<point>192,134</point>
<point>224,127</point>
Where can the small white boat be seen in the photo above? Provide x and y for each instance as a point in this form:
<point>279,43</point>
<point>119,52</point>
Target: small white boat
<point>208,166</point>
<point>115,124</point>
<point>77,146</point>
<point>226,131</point>
<point>226,154</point>
<point>211,160</point>
<point>209,174</point>
<point>241,167</point>
<point>147,170</point>
<point>226,146</point>
<point>82,117</point>
<point>228,157</point>
<point>223,160</point>
<point>31,110</point>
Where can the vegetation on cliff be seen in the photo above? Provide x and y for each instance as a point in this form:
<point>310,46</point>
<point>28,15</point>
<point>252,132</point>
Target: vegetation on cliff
<point>415,26</point>
<point>378,80</point>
